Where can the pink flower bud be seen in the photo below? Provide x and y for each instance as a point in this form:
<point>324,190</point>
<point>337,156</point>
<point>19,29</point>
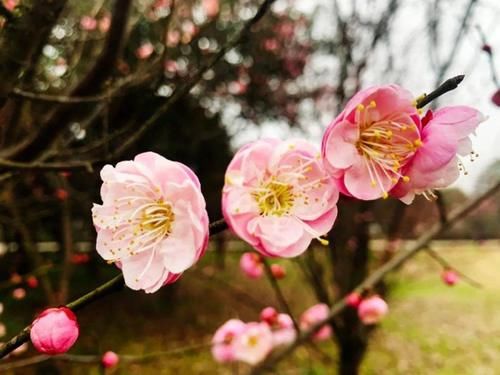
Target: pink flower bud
<point>15,278</point>
<point>32,281</point>
<point>353,300</point>
<point>269,315</point>
<point>278,271</point>
<point>62,194</point>
<point>104,24</point>
<point>211,7</point>
<point>449,277</point>
<point>371,310</point>
<point>10,4</point>
<point>80,258</point>
<point>88,23</point>
<point>110,359</point>
<point>19,293</point>
<point>144,51</point>
<point>251,265</point>
<point>496,98</point>
<point>54,331</point>
<point>3,330</point>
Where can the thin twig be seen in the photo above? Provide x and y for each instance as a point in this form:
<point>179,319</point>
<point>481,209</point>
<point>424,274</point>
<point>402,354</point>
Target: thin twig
<point>446,265</point>
<point>279,293</point>
<point>112,285</point>
<point>96,358</point>
<point>491,59</point>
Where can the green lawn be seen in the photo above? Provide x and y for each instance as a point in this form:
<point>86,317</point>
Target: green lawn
<point>431,328</point>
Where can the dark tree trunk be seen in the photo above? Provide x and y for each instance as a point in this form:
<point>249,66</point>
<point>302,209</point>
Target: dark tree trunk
<point>352,352</point>
<point>349,243</point>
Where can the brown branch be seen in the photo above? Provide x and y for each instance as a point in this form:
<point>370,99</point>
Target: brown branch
<point>112,285</point>
<point>55,166</point>
<point>378,275</point>
<point>194,79</point>
<point>279,293</point>
<point>32,147</point>
<point>96,359</point>
<point>456,44</point>
<point>27,30</point>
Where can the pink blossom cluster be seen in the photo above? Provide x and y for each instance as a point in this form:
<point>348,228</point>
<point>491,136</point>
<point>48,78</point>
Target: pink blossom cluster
<point>251,342</point>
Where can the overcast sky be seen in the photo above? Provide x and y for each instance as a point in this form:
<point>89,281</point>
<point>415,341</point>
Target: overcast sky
<point>408,28</point>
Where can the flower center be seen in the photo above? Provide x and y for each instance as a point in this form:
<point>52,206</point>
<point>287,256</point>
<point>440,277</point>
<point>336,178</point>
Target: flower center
<point>386,146</point>
<point>252,341</point>
<point>157,217</point>
<point>274,198</point>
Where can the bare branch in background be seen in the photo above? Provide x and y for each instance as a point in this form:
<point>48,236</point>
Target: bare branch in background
<point>448,266</point>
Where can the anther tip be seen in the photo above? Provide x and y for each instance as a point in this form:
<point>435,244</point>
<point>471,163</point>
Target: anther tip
<point>323,241</point>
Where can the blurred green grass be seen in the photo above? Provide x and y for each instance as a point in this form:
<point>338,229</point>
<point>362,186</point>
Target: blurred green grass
<point>431,328</point>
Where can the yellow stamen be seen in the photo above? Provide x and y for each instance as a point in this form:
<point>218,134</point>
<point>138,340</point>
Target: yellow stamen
<point>323,241</point>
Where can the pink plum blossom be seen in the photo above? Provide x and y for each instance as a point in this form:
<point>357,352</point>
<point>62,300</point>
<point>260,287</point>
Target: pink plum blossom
<point>145,50</point>
<point>88,23</point>
<point>278,197</point>
<point>19,293</point>
<point>223,340</point>
<point>153,223</point>
<point>450,277</point>
<point>283,330</point>
<point>110,359</point>
<point>211,7</point>
<point>313,315</point>
<point>436,164</point>
<point>368,144</point>
<point>104,23</point>
<point>254,343</point>
<point>251,265</point>
<point>379,145</point>
<point>281,326</point>
<point>11,4</point>
<point>54,331</point>
<point>3,330</point>
<point>372,309</point>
